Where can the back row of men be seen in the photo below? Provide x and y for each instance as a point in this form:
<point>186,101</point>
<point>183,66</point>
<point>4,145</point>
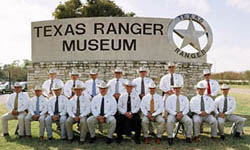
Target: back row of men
<point>124,105</point>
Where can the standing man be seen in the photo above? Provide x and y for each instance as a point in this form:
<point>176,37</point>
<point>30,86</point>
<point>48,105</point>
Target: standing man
<point>57,111</point>
<point>91,85</point>
<point>129,106</point>
<point>50,83</point>
<point>142,82</point>
<point>226,105</point>
<point>116,84</point>
<point>212,86</point>
<point>103,108</point>
<point>70,84</point>
<point>17,105</point>
<point>37,112</point>
<point>202,106</point>
<point>152,108</point>
<point>177,106</point>
<point>78,109</point>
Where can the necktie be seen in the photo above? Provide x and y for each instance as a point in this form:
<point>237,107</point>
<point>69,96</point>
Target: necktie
<point>94,89</point>
<point>37,106</point>
<point>56,106</point>
<point>202,104</point>
<point>172,80</point>
<point>74,84</point>
<point>152,105</point>
<point>78,106</point>
<point>50,87</point>
<point>129,104</point>
<point>225,105</point>
<point>16,102</point>
<point>117,87</point>
<point>177,104</point>
<point>102,107</point>
<point>142,86</point>
<point>208,88</point>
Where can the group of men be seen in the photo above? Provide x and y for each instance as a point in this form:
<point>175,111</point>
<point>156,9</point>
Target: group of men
<point>123,105</point>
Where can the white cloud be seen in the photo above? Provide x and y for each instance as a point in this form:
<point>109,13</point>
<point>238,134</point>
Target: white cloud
<point>243,5</point>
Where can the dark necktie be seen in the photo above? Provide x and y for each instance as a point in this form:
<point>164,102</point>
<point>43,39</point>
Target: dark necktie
<point>208,88</point>
<point>172,80</point>
<point>117,87</point>
<point>74,84</point>
<point>202,104</point>
<point>142,86</point>
<point>102,107</point>
<point>78,106</point>
<point>50,87</point>
<point>225,105</point>
<point>129,104</point>
<point>56,107</point>
<point>37,112</point>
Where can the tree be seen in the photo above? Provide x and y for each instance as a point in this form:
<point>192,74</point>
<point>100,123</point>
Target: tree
<point>92,8</point>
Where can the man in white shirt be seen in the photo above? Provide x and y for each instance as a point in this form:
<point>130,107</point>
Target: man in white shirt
<point>202,106</point>
<point>91,85</point>
<point>17,104</point>
<point>129,106</point>
<point>225,106</point>
<point>57,107</point>
<point>37,112</point>
<point>103,108</point>
<point>50,83</point>
<point>152,108</point>
<point>70,84</point>
<point>142,82</point>
<point>116,84</point>
<point>177,106</point>
<point>212,86</point>
<point>78,109</point>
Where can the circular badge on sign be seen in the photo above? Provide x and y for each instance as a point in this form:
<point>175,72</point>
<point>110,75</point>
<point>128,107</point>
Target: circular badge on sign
<point>190,36</point>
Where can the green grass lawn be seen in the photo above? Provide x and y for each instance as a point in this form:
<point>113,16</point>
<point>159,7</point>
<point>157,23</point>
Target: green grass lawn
<point>243,109</point>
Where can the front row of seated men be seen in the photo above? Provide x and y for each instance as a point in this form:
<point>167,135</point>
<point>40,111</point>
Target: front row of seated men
<point>133,114</point>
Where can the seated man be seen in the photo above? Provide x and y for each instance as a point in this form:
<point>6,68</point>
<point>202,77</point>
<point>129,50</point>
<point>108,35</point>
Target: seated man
<point>37,112</point>
<point>177,106</point>
<point>78,109</point>
<point>152,107</point>
<point>57,112</point>
<point>225,106</point>
<point>129,106</point>
<point>103,108</point>
<point>202,106</point>
<point>17,105</point>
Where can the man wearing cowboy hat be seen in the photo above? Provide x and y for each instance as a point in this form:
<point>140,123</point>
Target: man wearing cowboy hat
<point>103,108</point>
<point>142,82</point>
<point>70,84</point>
<point>129,106</point>
<point>57,107</point>
<point>50,83</point>
<point>17,104</point>
<point>78,109</point>
<point>152,107</point>
<point>116,84</point>
<point>91,84</point>
<point>225,106</point>
<point>177,106</point>
<point>202,106</point>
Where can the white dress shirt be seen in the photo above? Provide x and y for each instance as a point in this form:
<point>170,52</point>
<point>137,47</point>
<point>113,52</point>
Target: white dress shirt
<point>43,105</point>
<point>46,85</point>
<point>69,85</point>
<point>112,84</point>
<point>195,104</point>
<point>23,102</point>
<point>231,104</point>
<point>110,105</point>
<point>165,83</point>
<point>84,106</point>
<point>123,101</point>
<point>214,86</point>
<point>62,105</point>
<point>171,104</point>
<point>138,81</point>
<point>89,86</point>
<point>158,104</point>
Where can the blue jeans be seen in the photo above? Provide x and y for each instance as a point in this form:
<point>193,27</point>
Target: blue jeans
<point>49,122</point>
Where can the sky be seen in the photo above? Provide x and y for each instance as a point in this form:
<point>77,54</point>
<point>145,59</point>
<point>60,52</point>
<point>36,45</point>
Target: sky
<point>229,20</point>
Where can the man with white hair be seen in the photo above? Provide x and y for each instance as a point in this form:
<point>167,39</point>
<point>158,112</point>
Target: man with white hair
<point>202,106</point>
<point>17,104</point>
<point>225,106</point>
<point>50,83</point>
<point>37,112</point>
<point>91,84</point>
